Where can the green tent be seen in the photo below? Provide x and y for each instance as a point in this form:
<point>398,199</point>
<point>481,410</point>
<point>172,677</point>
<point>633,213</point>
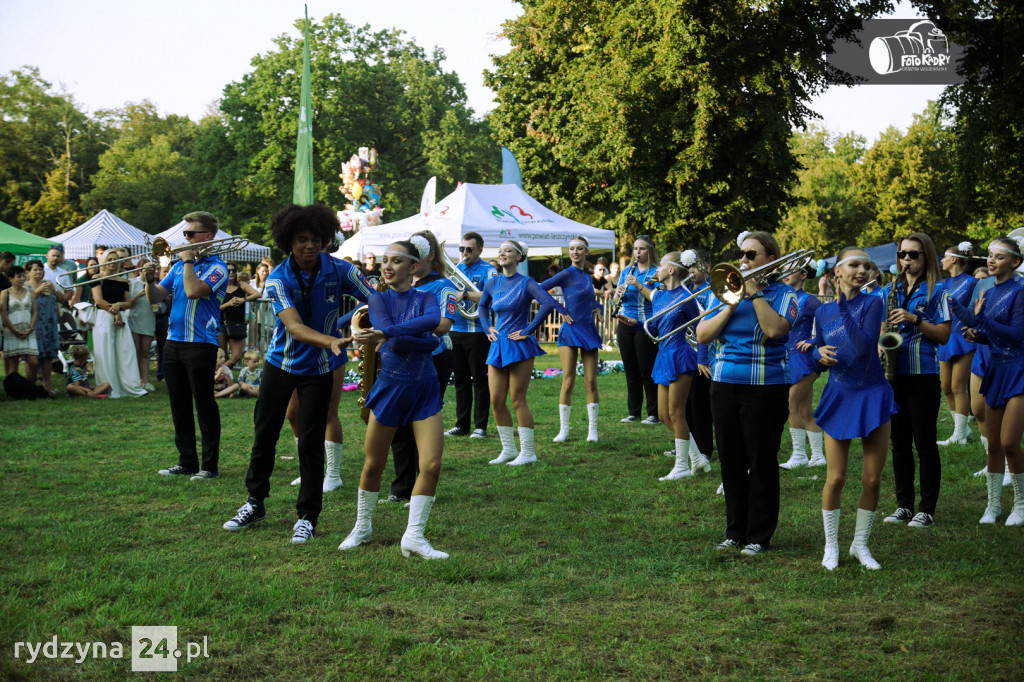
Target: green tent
<point>22,243</point>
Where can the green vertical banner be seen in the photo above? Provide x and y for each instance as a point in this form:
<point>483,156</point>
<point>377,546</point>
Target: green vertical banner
<point>302,194</point>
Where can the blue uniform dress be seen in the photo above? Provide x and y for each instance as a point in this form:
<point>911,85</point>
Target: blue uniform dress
<point>1000,326</point>
<point>675,356</point>
<point>857,399</point>
<point>445,293</point>
<point>295,367</point>
<point>354,285</point>
<point>578,291</point>
<point>802,364</point>
<point>509,298</point>
<point>406,389</point>
<point>981,354</point>
<point>960,289</point>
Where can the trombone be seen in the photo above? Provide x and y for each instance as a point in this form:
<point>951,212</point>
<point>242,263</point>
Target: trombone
<point>726,282</point>
<point>161,253</point>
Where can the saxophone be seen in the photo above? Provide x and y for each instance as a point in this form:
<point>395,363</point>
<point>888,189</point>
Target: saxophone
<point>891,339</point>
<point>369,358</point>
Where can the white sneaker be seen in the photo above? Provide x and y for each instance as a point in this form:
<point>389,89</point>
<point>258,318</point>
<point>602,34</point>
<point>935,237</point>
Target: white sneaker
<point>303,532</point>
<point>651,421</point>
<point>478,433</point>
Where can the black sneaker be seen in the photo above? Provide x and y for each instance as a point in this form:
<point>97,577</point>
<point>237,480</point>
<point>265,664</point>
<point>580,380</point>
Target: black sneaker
<point>391,499</point>
<point>456,431</point>
<point>177,470</point>
<point>753,549</point>
<point>204,474</point>
<point>303,532</point>
<point>921,520</point>
<point>901,515</point>
<point>729,543</point>
<point>251,512</point>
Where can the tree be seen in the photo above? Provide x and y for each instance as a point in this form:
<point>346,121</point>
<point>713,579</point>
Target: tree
<point>53,212</point>
<point>369,89</point>
<point>830,209</point>
<point>663,116</point>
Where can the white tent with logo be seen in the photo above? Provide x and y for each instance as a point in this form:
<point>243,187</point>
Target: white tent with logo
<point>247,254</point>
<point>103,228</point>
<point>496,213</point>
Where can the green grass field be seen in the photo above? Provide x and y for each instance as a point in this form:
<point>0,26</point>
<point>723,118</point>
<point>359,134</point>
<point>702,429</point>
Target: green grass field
<point>582,566</point>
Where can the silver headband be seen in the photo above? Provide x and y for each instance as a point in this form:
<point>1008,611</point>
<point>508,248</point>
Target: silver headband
<point>403,254</point>
<point>1007,249</point>
<point>514,246</point>
<point>848,258</point>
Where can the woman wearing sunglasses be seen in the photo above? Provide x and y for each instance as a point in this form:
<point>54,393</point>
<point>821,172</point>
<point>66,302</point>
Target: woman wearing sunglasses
<point>637,349</point>
<point>922,316</point>
<point>750,395</point>
<point>998,322</point>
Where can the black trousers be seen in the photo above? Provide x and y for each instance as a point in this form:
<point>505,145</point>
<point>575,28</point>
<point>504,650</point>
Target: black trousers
<point>698,414</point>
<point>188,372</point>
<point>161,339</point>
<point>918,397</point>
<point>638,354</point>
<point>314,393</point>
<point>403,447</point>
<point>471,390</point>
<point>748,426</point>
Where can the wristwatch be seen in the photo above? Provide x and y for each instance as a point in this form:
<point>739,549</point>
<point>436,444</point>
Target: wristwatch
<point>190,260</point>
<point>756,294</point>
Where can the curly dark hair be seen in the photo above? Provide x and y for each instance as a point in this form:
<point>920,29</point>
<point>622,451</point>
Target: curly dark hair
<point>289,221</point>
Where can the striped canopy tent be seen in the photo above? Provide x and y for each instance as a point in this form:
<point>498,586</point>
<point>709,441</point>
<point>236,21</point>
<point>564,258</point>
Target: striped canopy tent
<point>248,254</point>
<point>107,229</point>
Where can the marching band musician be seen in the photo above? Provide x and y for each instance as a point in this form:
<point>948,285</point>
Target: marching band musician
<point>749,396</point>
<point>998,322</point>
<point>306,291</point>
<point>698,404</point>
<point>637,349</point>
<point>922,313</point>
<point>578,338</point>
<point>513,348</point>
<point>405,392</point>
<point>803,372</point>
<point>676,362</point>
<point>957,354</point>
<point>857,401</point>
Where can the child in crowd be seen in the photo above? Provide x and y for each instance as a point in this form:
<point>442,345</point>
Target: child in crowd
<point>224,385</point>
<point>249,377</point>
<point>78,376</point>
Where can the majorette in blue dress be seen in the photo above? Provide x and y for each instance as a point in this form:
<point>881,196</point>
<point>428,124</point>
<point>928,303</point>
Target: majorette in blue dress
<point>578,292</point>
<point>675,356</point>
<point>960,289</point>
<point>857,399</point>
<point>510,298</point>
<point>406,389</point>
<point>802,364</point>
<point>1000,326</point>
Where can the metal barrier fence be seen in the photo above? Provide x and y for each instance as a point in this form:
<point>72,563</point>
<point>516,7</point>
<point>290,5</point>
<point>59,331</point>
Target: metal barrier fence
<point>262,320</point>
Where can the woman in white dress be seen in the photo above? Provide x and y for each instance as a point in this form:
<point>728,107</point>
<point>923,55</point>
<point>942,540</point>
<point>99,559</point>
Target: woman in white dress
<point>142,322</point>
<point>113,347</point>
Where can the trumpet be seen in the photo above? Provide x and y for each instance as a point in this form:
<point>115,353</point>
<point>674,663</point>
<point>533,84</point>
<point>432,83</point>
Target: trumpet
<point>727,283</point>
<point>466,308</point>
<point>161,252</point>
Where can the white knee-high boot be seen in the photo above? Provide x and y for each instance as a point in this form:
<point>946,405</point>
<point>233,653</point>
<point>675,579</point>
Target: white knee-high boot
<point>682,467</point>
<point>831,520</point>
<point>983,470</point>
<point>563,417</point>
<point>414,541</point>
<point>960,431</point>
<point>799,456</point>
<point>297,481</point>
<point>592,409</point>
<point>507,436</point>
<point>817,442</point>
<point>859,548</point>
<point>1016,517</point>
<point>332,476</point>
<point>1007,476</point>
<point>364,520</point>
<point>995,492</point>
<point>526,453</point>
<point>698,462</point>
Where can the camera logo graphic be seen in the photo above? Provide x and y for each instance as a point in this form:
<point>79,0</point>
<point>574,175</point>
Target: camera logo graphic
<point>922,47</point>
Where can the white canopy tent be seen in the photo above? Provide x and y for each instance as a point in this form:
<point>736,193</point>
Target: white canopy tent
<point>248,254</point>
<point>107,229</point>
<point>496,213</point>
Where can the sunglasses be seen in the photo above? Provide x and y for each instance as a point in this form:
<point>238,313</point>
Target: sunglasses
<point>231,271</point>
<point>467,249</point>
<point>912,255</point>
<point>192,233</point>
<point>749,255</point>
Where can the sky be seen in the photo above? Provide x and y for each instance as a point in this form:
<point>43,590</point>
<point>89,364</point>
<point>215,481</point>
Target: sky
<point>180,55</point>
